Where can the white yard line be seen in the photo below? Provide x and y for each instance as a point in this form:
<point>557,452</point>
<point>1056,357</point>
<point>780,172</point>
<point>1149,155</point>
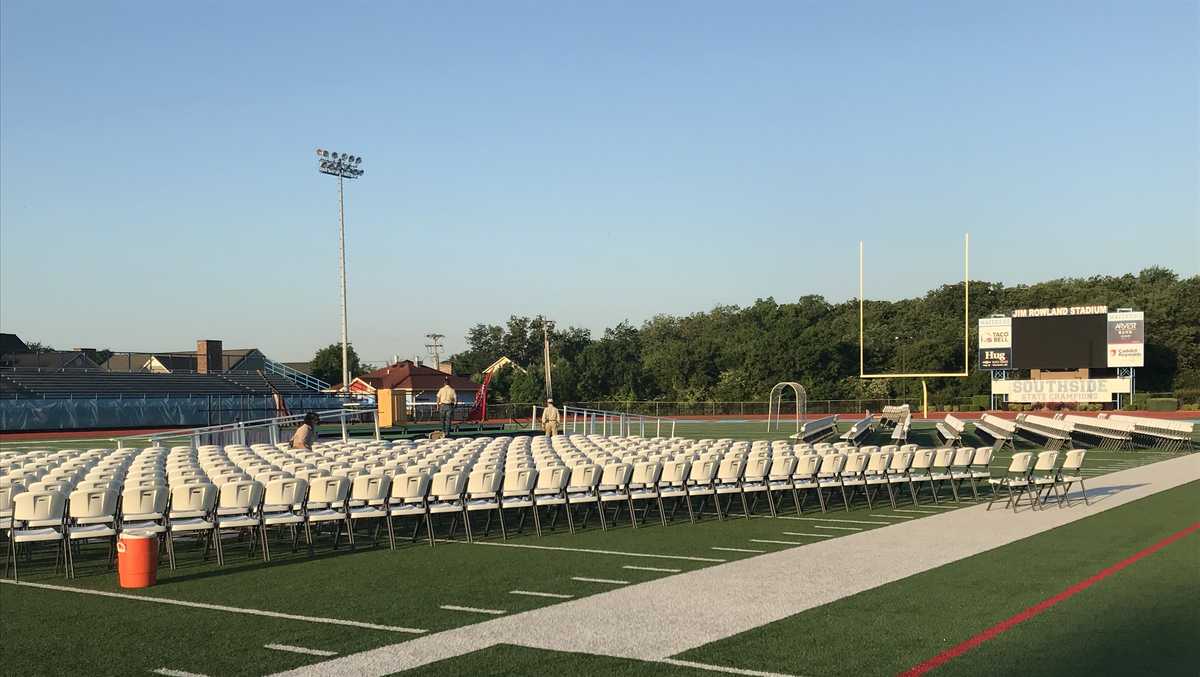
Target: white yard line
<point>830,526</point>
<point>825,519</point>
<point>660,570</point>
<point>898,517</point>
<point>217,607</point>
<point>797,533</point>
<point>663,617</point>
<point>919,512</point>
<point>757,552</point>
<point>176,673</point>
<point>766,540</point>
<point>610,581</point>
<point>721,668</point>
<point>531,593</point>
<point>593,551</point>
<point>474,610</point>
<point>300,649</point>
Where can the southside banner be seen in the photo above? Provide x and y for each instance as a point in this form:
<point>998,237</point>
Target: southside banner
<point>1064,390</point>
<point>995,343</point>
<point>1126,339</point>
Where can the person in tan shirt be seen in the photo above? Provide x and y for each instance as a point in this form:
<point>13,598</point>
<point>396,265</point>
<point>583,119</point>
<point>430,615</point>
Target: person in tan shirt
<point>306,435</point>
<point>446,399</point>
<point>550,418</point>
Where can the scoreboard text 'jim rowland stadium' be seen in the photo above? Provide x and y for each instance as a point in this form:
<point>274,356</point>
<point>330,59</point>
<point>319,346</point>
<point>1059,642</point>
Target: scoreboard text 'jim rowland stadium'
<point>1053,312</point>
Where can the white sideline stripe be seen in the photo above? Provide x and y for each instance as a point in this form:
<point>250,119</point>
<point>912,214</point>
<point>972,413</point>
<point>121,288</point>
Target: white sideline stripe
<point>738,550</point>
<point>830,526</point>
<point>531,593</point>
<point>176,673</point>
<point>721,668</point>
<point>943,507</point>
<point>898,517</point>
<point>493,612</point>
<point>300,649</point>
<point>598,552</point>
<point>763,540</point>
<point>797,533</point>
<point>825,519</point>
<point>613,581</point>
<point>219,607</point>
<point>919,512</point>
<point>665,571</point>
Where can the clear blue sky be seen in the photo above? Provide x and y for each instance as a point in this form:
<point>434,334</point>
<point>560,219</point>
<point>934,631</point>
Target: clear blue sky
<point>591,161</point>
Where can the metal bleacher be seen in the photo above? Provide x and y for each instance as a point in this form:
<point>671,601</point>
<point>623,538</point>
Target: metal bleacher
<point>258,382</point>
<point>93,382</point>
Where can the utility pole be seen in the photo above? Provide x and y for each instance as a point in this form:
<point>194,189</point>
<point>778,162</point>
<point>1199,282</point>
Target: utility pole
<point>435,349</point>
<point>546,327</point>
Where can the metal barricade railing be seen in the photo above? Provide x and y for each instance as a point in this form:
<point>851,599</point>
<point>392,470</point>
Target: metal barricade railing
<point>266,430</point>
<point>608,423</point>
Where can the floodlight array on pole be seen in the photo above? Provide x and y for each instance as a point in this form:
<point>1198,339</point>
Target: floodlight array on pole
<point>343,166</point>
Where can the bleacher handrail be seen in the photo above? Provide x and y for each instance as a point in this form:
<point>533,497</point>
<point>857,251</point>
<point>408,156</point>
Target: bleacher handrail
<point>295,375</point>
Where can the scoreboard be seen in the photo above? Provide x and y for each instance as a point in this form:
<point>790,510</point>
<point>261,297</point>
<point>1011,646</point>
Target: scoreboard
<point>1079,337</point>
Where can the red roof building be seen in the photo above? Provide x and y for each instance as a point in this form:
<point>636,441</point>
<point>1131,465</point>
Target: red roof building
<point>420,382</point>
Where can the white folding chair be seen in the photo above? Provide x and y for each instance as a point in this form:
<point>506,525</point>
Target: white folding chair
<point>1017,477</point>
<point>875,475</point>
<point>326,502</point>
<point>960,471</point>
<point>483,493</point>
<point>829,477</point>
<point>614,488</point>
<point>551,492</point>
<point>91,513</point>
<point>446,498</point>
<point>779,481</point>
<point>368,501</point>
<point>920,470</point>
<point>643,486</point>
<point>407,498</point>
<point>853,475</point>
<point>283,506</point>
<point>939,472</point>
<point>192,510</point>
<point>1070,473</point>
<point>517,494</point>
<point>755,481</point>
<point>582,491</point>
<point>1044,474</point>
<point>38,517</point>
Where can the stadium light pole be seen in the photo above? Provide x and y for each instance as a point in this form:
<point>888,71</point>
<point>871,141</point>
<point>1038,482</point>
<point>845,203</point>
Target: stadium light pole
<point>343,166</point>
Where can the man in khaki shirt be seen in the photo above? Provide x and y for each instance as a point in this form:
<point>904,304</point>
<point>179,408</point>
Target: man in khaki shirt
<point>446,399</point>
<point>550,418</point>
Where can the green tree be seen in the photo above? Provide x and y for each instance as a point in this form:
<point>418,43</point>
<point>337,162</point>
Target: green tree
<point>327,363</point>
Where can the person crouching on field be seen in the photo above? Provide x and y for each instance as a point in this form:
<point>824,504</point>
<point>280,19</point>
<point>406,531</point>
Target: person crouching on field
<point>550,418</point>
<point>306,434</point>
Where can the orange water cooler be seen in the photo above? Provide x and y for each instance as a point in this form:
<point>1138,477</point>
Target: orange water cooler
<point>137,559</point>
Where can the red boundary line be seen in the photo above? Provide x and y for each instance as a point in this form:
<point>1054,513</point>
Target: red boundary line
<point>1005,625</point>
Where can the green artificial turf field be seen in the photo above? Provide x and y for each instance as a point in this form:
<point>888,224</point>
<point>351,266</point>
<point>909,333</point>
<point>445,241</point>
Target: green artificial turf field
<point>1144,620</point>
<point>407,589</point>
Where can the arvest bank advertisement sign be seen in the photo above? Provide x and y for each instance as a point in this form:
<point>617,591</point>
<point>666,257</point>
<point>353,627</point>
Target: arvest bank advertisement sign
<point>1126,339</point>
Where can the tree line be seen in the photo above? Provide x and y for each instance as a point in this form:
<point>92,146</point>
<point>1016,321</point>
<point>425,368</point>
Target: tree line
<point>733,353</point>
